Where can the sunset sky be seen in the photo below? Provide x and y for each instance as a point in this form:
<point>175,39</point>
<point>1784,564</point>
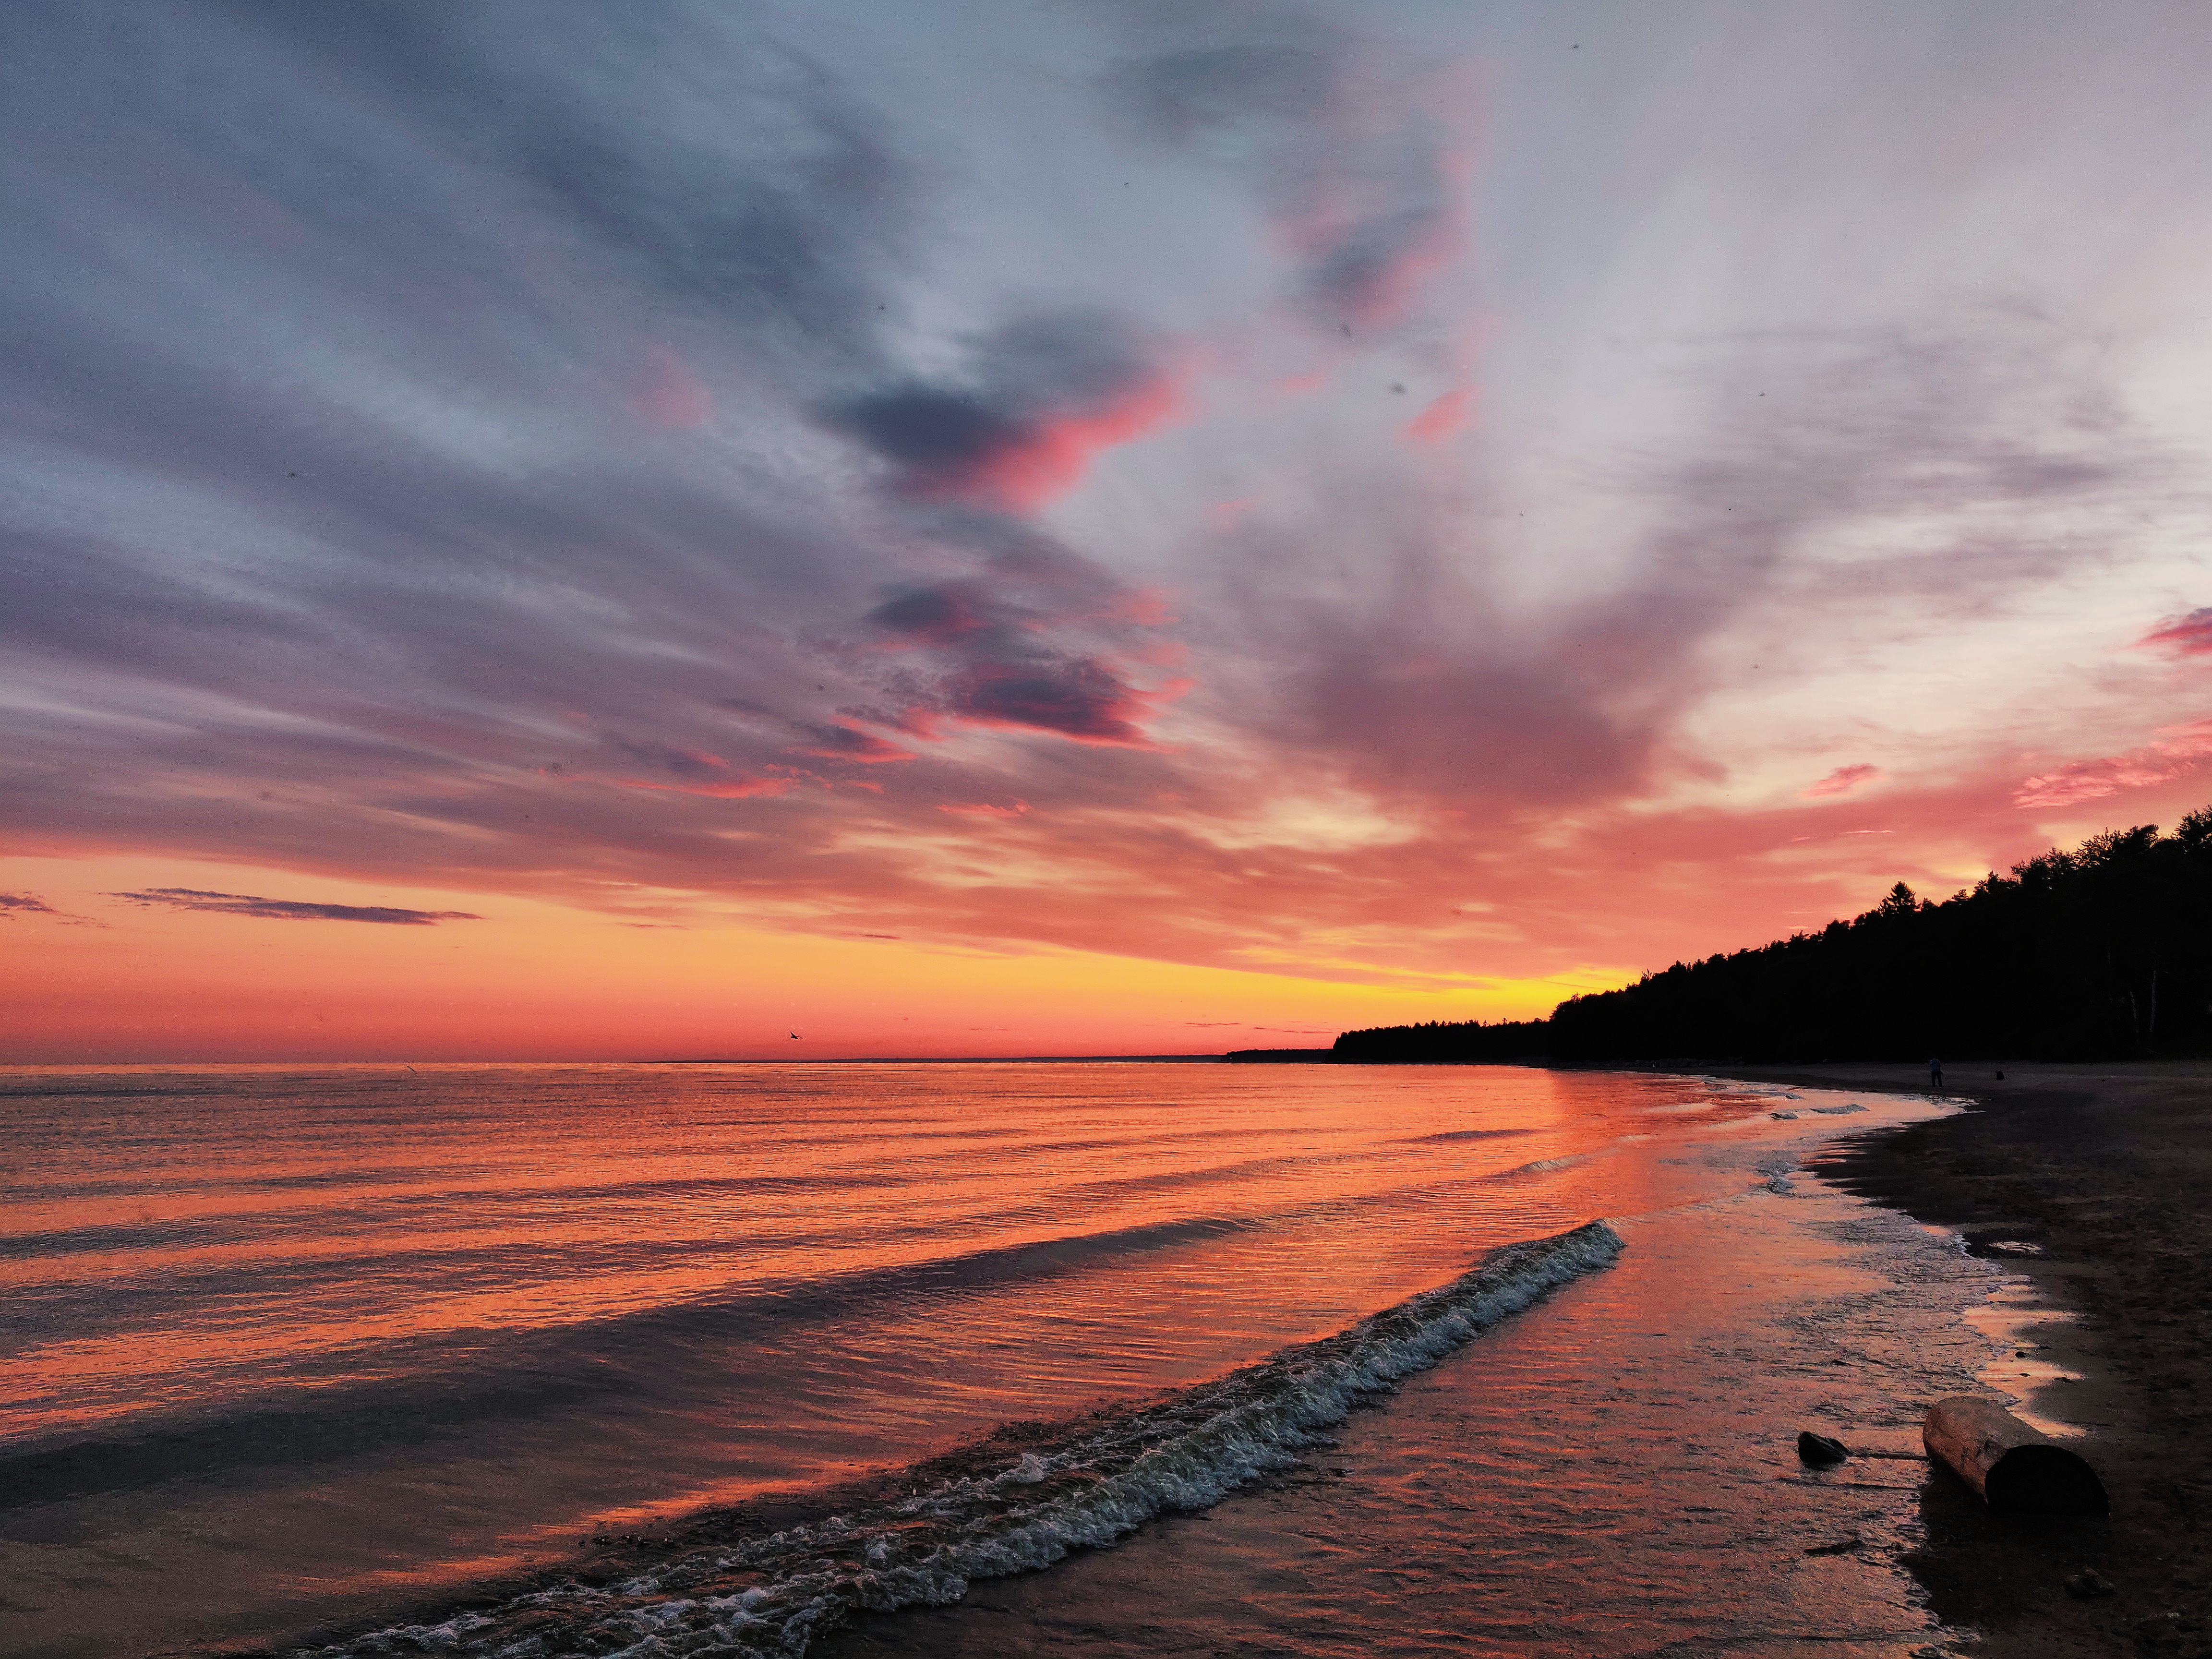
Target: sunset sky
<point>579,531</point>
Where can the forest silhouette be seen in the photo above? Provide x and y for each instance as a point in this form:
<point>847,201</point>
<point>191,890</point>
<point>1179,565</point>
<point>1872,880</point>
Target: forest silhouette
<point>2101,952</point>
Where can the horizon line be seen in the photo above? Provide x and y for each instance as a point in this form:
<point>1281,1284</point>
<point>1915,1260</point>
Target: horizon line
<point>709,1059</point>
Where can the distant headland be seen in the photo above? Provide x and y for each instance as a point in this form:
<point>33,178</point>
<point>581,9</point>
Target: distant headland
<point>2103,951</point>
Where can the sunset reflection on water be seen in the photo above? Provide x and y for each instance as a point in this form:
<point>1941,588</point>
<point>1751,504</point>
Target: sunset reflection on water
<point>297,1343</point>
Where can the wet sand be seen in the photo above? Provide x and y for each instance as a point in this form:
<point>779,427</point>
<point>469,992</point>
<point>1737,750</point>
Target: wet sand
<point>2106,1172</point>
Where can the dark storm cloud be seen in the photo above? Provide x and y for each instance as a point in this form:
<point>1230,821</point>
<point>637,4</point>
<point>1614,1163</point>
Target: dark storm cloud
<point>246,904</point>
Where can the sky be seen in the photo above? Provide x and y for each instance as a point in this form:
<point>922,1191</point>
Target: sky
<point>550,530</point>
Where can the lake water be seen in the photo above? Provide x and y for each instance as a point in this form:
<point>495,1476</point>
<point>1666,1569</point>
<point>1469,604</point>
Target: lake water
<point>292,1354</point>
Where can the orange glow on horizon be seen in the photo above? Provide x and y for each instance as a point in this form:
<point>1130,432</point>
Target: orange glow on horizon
<point>535,979</point>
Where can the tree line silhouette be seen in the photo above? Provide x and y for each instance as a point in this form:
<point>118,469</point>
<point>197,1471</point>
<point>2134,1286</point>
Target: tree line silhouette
<point>2101,952</point>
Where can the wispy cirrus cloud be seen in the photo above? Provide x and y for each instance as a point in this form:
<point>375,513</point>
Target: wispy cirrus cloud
<point>247,904</point>
<point>1351,145</point>
<point>1841,780</point>
<point>2174,753</point>
<point>2190,635</point>
<point>980,809</point>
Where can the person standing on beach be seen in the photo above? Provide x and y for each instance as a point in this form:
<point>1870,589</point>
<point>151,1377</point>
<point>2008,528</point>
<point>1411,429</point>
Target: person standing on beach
<point>1934,1073</point>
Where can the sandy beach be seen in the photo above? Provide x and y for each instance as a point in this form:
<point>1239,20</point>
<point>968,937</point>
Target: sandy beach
<point>2105,1171</point>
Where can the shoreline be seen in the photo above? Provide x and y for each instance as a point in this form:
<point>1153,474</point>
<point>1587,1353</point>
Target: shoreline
<point>2104,1172</point>
<point>1619,1487</point>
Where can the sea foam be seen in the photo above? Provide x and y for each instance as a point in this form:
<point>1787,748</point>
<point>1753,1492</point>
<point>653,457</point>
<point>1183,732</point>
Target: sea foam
<point>1182,1451</point>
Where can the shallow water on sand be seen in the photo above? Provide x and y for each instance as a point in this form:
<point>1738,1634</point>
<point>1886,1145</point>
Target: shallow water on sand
<point>289,1347</point>
<point>1612,1473</point>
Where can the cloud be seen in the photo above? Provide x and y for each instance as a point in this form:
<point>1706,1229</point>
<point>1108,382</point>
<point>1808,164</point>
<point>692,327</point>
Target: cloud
<point>1041,396</point>
<point>991,646</point>
<point>1387,222</point>
<point>552,453</point>
<point>849,743</point>
<point>1841,780</point>
<point>2173,754</point>
<point>670,397</point>
<point>714,165</point>
<point>2188,636</point>
<point>1445,414</point>
<point>732,788</point>
<point>946,614</point>
<point>25,904</point>
<point>1077,697</point>
<point>667,757</point>
<point>1350,140</point>
<point>246,904</point>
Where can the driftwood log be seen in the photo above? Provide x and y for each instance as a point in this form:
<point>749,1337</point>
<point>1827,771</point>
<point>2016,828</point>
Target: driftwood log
<point>2015,1470</point>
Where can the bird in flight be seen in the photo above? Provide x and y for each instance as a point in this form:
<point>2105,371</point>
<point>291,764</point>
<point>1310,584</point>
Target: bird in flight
<point>794,1036</point>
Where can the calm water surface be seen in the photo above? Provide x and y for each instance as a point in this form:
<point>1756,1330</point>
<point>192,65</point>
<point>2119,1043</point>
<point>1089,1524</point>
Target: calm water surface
<point>290,1350</point>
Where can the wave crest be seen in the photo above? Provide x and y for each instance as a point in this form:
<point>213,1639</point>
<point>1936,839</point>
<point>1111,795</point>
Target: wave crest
<point>1112,1472</point>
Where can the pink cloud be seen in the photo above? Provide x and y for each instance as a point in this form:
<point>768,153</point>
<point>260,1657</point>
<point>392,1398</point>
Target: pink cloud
<point>1055,453</point>
<point>848,743</point>
<point>671,399</point>
<point>1384,217</point>
<point>1444,415</point>
<point>984,809</point>
<point>697,773</point>
<point>720,789</point>
<point>1146,607</point>
<point>2173,753</point>
<point>2188,636</point>
<point>1841,780</point>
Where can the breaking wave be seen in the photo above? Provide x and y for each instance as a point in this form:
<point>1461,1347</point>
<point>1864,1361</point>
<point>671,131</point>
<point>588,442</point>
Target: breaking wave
<point>1082,1484</point>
